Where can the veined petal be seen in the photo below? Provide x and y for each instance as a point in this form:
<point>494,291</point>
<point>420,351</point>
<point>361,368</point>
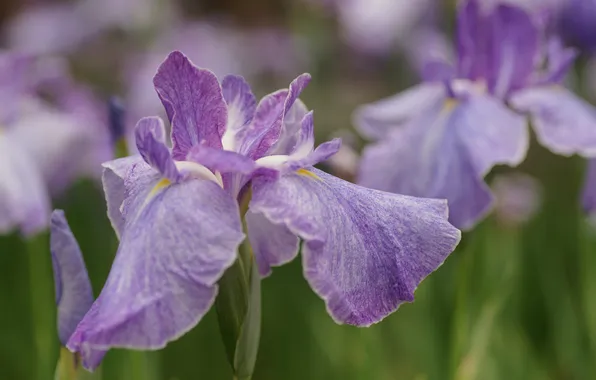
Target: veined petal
<point>589,192</point>
<point>241,109</point>
<point>150,135</point>
<point>164,277</point>
<point>24,200</point>
<point>114,179</point>
<point>272,244</point>
<point>376,120</point>
<point>194,103</point>
<point>267,125</point>
<point>446,152</point>
<point>564,123</point>
<point>364,251</point>
<point>74,295</point>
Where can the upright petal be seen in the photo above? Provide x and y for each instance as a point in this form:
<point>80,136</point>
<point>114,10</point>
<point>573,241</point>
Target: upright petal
<point>150,135</point>
<point>164,277</point>
<point>114,179</point>
<point>74,295</point>
<point>194,103</point>
<point>498,44</point>
<point>376,120</point>
<point>364,251</point>
<point>24,200</point>
<point>268,122</point>
<point>223,161</point>
<point>241,109</point>
<point>564,123</point>
<point>589,192</point>
<point>446,152</point>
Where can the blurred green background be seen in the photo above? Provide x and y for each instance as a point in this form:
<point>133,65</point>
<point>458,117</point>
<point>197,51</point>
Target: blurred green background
<point>513,301</point>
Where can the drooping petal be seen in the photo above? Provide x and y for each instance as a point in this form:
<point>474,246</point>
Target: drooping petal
<point>150,135</point>
<point>364,251</point>
<point>24,200</point>
<point>589,192</point>
<point>113,179</point>
<point>194,103</point>
<point>163,280</point>
<point>446,152</point>
<point>241,109</point>
<point>272,244</point>
<point>376,120</point>
<point>266,128</point>
<point>564,123</point>
<point>74,295</point>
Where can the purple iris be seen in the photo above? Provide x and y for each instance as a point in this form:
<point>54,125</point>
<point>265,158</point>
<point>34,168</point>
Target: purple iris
<point>440,138</point>
<point>177,214</point>
<point>39,139</point>
<point>74,295</point>
<point>578,23</point>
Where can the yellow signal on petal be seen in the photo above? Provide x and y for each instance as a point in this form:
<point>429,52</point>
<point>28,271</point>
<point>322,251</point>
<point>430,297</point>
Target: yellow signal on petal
<point>308,173</point>
<point>164,182</point>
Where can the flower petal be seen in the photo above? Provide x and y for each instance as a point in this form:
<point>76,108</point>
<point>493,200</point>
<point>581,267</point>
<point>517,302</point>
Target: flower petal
<point>223,161</point>
<point>365,251</point>
<point>272,244</point>
<point>446,152</point>
<point>194,103</point>
<point>74,295</point>
<point>241,109</point>
<point>164,277</point>
<point>24,200</point>
<point>498,44</point>
<point>266,128</point>
<point>564,123</point>
<point>376,120</point>
<point>114,177</point>
<point>150,135</point>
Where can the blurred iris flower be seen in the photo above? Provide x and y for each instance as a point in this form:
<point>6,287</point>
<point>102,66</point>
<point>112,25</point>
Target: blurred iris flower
<point>40,136</point>
<point>440,138</point>
<point>74,295</point>
<point>177,214</point>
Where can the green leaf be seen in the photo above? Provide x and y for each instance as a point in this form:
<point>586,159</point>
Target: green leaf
<point>238,306</point>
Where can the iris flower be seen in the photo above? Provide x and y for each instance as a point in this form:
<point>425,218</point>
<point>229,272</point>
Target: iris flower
<point>440,138</point>
<point>74,295</point>
<point>177,214</point>
<point>38,140</point>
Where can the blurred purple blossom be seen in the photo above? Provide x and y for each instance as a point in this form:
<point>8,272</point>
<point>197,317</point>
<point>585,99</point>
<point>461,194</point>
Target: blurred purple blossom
<point>376,26</point>
<point>177,214</point>
<point>45,144</point>
<point>440,138</point>
<point>517,198</point>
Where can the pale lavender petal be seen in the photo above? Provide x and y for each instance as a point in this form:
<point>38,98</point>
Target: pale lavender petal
<point>564,123</point>
<point>164,278</point>
<point>150,135</point>
<point>272,244</point>
<point>376,120</point>
<point>113,178</point>
<point>322,153</point>
<point>559,60</point>
<point>517,198</point>
<point>74,295</point>
<point>290,131</point>
<point>268,123</point>
<point>589,192</point>
<point>446,152</point>
<point>364,251</point>
<point>241,108</point>
<point>24,200</point>
<point>194,103</point>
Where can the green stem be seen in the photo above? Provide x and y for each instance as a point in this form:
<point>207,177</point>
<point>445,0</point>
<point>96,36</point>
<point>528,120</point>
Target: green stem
<point>141,366</point>
<point>42,305</point>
